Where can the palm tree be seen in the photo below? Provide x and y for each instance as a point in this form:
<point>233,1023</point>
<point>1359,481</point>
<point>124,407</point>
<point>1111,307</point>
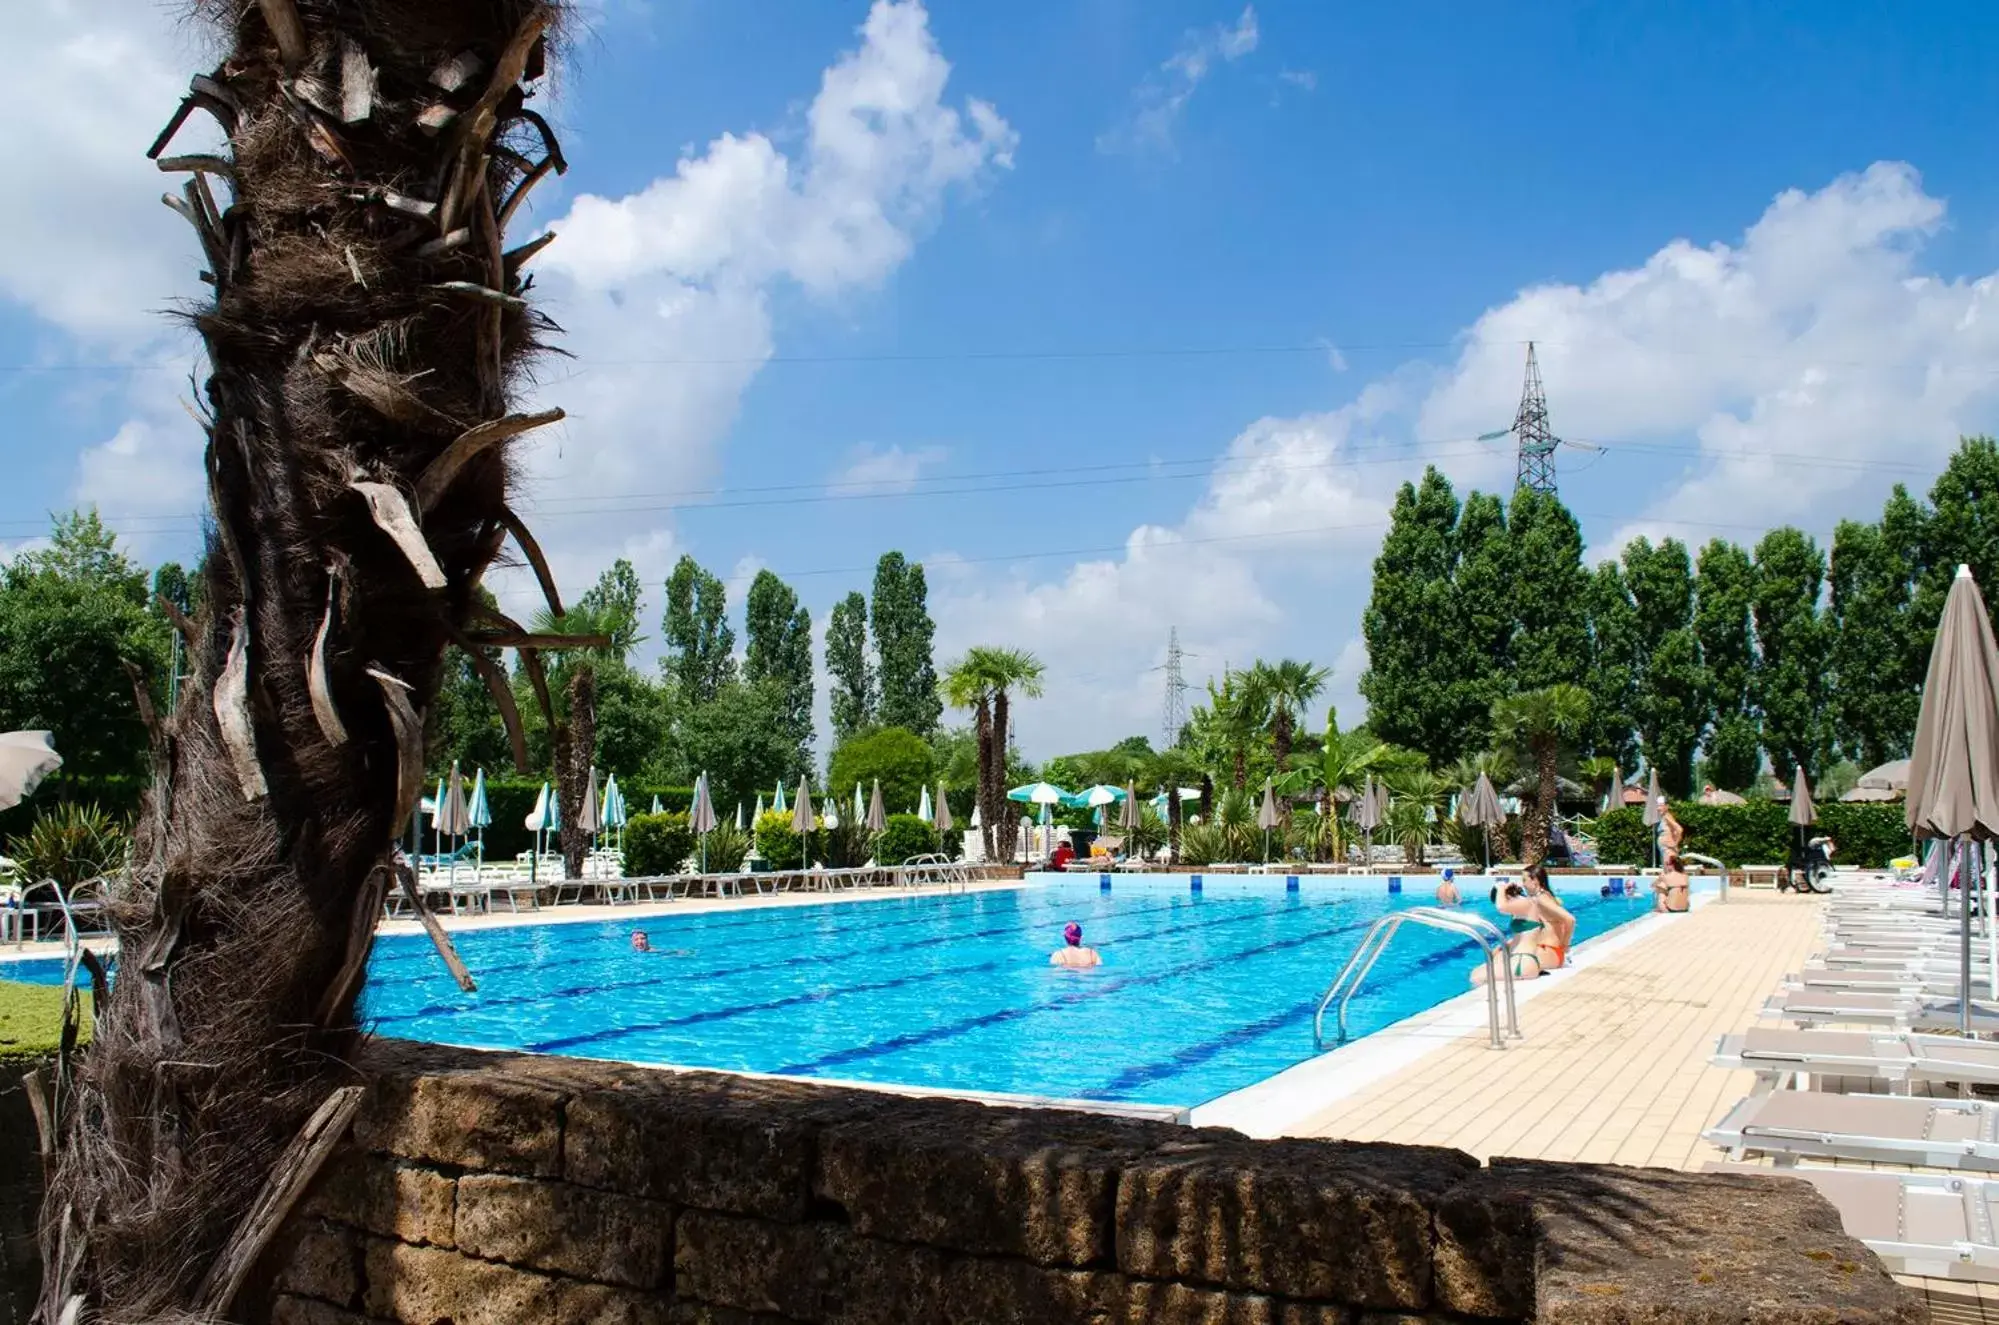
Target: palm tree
<point>1169,770</point>
<point>1236,715</point>
<point>573,731</point>
<point>1338,771</point>
<point>366,329</point>
<point>1286,687</point>
<point>1416,797</point>
<point>1008,671</point>
<point>1537,722</point>
<point>965,686</point>
<point>984,680</point>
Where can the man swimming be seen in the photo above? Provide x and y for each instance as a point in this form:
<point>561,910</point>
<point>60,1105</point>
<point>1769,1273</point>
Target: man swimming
<point>1073,955</point>
<point>640,943</point>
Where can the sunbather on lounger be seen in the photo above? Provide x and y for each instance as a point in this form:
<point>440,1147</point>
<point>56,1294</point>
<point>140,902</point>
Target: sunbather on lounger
<point>1670,888</point>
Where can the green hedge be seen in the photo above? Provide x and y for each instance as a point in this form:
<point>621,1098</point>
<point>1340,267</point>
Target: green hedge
<point>778,842</point>
<point>1759,833</point>
<point>658,844</point>
<point>904,837</point>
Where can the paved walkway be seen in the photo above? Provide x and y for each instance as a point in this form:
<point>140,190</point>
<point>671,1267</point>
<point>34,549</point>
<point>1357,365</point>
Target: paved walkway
<point>1615,1068</point>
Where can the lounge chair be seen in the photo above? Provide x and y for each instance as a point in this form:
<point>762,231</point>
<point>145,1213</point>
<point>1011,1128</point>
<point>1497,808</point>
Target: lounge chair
<point>1898,1058</point>
<point>1939,1226</point>
<point>1812,1007</point>
<point>1890,981</point>
<point>1892,1129</point>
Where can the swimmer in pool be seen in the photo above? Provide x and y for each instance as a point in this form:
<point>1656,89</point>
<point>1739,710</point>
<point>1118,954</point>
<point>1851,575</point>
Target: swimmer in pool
<point>1072,954</point>
<point>1447,893</point>
<point>640,943</point>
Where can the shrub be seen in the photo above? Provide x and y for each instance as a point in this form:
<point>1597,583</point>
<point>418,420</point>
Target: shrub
<point>778,842</point>
<point>846,846</point>
<point>1202,844</point>
<point>905,837</point>
<point>658,844</point>
<point>1149,836</point>
<point>900,759</point>
<point>727,845</point>
<point>70,843</point>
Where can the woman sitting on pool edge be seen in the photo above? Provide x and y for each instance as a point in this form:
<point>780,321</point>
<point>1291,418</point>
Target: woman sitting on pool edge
<point>1540,930</point>
<point>1669,890</point>
<point>1072,954</point>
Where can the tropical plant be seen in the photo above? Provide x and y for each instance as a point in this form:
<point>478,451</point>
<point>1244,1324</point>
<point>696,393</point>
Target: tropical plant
<point>967,685</point>
<point>1203,844</point>
<point>1340,771</point>
<point>1150,834</point>
<point>727,846</point>
<point>1240,711</point>
<point>1537,722</point>
<point>1416,802</point>
<point>1168,771</point>
<point>985,681</point>
<point>1285,688</point>
<point>1235,815</point>
<point>658,844</point>
<point>903,839</point>
<point>71,843</point>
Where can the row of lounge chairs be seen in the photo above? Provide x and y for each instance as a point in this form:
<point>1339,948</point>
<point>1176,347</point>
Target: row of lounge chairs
<point>1826,1101</point>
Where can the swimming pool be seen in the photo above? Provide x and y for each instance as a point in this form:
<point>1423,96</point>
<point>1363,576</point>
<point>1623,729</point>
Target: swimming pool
<point>1202,992</point>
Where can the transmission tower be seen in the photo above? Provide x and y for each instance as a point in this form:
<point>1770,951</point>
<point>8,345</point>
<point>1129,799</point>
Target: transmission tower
<point>1175,717</point>
<point>1530,429</point>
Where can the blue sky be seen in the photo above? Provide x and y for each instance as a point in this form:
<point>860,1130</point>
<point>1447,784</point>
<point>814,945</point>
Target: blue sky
<point>1128,316</point>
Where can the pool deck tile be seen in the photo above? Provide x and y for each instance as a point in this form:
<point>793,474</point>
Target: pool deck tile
<point>1614,1067</point>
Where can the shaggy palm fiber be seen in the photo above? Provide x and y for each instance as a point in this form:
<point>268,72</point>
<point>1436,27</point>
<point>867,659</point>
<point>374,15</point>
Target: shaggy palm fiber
<point>366,331</point>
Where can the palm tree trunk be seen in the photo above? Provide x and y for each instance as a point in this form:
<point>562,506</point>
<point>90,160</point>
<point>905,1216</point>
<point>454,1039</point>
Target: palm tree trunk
<point>1280,737</point>
<point>1173,821</point>
<point>988,830</point>
<point>1534,834</point>
<point>352,357</point>
<point>1001,804</point>
<point>575,751</point>
<point>1241,767</point>
<point>1207,797</point>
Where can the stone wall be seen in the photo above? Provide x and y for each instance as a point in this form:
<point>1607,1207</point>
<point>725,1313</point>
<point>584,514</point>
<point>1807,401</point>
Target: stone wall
<point>506,1188</point>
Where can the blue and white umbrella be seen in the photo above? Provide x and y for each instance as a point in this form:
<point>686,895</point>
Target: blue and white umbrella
<point>477,812</point>
<point>1039,793</point>
<point>777,802</point>
<point>544,818</point>
<point>614,813</point>
<point>655,804</point>
<point>923,810</point>
<point>756,815</point>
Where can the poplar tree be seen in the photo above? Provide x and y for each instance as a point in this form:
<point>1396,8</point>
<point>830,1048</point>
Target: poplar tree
<point>1878,657</point>
<point>1612,677</point>
<point>1724,592</point>
<point>1481,619</point>
<point>904,640</point>
<point>853,692</point>
<point>1411,681</point>
<point>1550,592</point>
<point>1669,697</point>
<point>1962,528</point>
<point>779,650</point>
<point>1790,676</point>
<point>699,643</point>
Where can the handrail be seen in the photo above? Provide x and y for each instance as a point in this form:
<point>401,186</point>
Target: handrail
<point>1498,962</point>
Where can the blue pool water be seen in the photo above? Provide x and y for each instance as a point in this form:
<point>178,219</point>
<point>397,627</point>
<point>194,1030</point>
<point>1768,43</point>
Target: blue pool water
<point>1201,993</point>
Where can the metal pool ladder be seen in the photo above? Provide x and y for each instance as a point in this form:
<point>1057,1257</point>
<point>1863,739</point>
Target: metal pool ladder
<point>1498,967</point>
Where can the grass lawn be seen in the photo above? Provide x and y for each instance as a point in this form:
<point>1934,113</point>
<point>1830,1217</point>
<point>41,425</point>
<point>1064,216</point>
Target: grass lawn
<point>31,1019</point>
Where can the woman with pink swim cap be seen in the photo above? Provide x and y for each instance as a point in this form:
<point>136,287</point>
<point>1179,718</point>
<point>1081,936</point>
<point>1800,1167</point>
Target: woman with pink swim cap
<point>1072,953</point>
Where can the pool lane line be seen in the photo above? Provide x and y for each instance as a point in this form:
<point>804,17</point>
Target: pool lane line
<point>422,952</point>
<point>1099,989</point>
<point>801,959</point>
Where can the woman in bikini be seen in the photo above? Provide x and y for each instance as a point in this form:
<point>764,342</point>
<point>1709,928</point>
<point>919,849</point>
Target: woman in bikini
<point>1558,923</point>
<point>1535,945</point>
<point>1669,890</point>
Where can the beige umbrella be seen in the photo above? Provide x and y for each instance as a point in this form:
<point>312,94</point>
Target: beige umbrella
<point>877,817</point>
<point>803,821</point>
<point>1871,795</point>
<point>943,818</point>
<point>453,819</point>
<point>1716,796</point>
<point>701,818</point>
<point>1891,777</point>
<point>25,759</point>
<point>1479,808</point>
<point>1266,815</point>
<point>1954,767</point>
<point>1129,813</point>
<point>1614,798</point>
<point>1803,813</point>
<point>590,817</point>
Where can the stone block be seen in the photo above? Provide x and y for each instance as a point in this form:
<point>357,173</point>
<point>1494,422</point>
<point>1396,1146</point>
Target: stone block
<point>1621,1246</point>
<point>750,1264</point>
<point>1484,1249</point>
<point>730,1144</point>
<point>1322,1221</point>
<point>1145,1303</point>
<point>428,1285</point>
<point>596,1304</point>
<point>288,1310</point>
<point>602,1236</point>
<point>385,1197</point>
<point>700,1313</point>
<point>1039,1184</point>
<point>316,1260</point>
<point>472,1117</point>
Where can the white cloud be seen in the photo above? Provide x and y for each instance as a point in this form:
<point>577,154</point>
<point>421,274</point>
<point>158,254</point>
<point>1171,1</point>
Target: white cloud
<point>1159,101</point>
<point>870,470</point>
<point>1792,359</point>
<point>1786,370</point>
<point>1303,79</point>
<point>665,292</point>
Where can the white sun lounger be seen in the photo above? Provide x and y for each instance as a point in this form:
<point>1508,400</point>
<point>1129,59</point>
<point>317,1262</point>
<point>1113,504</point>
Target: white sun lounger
<point>1898,1058</point>
<point>1936,1225</point>
<point>1904,981</point>
<point>1814,1007</point>
<point>1891,1129</point>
